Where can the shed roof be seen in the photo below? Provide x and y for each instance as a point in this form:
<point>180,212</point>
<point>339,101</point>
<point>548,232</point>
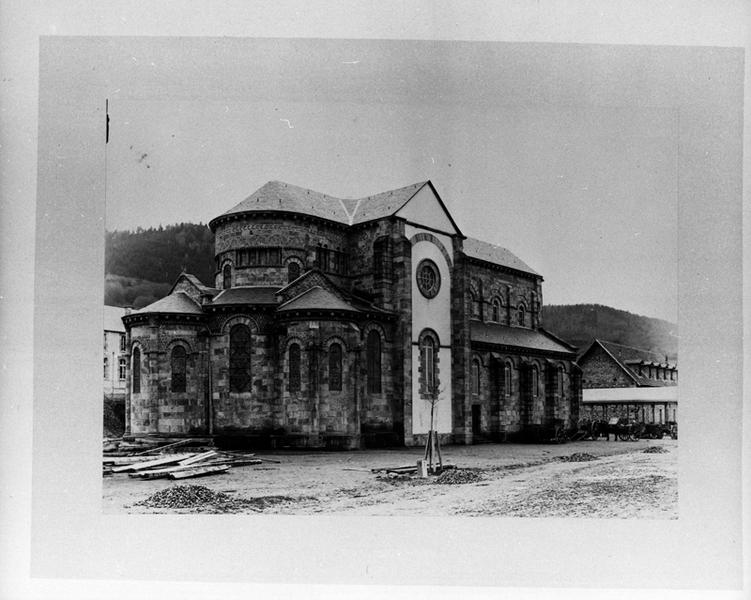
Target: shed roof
<point>627,357</point>
<point>518,337</point>
<point>112,318</point>
<point>498,255</point>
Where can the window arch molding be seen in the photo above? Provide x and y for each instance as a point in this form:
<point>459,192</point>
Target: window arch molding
<point>521,314</point>
<point>497,309</point>
<point>293,264</point>
<point>227,273</point>
<point>429,346</point>
<point>429,237</point>
<point>136,368</point>
<point>239,319</point>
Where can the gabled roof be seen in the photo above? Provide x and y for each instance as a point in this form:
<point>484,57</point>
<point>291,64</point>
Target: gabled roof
<point>516,337</point>
<point>112,318</point>
<point>317,298</point>
<point>178,303</point>
<point>279,196</point>
<point>203,289</point>
<point>246,295</point>
<point>498,255</point>
<point>628,357</point>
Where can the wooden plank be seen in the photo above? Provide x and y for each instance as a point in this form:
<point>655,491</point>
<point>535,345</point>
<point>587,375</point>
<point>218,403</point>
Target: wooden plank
<point>199,472</point>
<point>151,463</point>
<point>124,460</point>
<point>198,457</point>
<point>160,448</point>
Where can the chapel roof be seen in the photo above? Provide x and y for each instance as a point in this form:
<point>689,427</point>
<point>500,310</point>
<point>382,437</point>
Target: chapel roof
<point>177,303</point>
<point>285,197</point>
<point>517,337</point>
<point>317,298</point>
<point>246,295</point>
<point>498,255</point>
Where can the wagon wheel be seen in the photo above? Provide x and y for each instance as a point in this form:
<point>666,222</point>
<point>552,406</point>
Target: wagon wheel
<point>634,436</point>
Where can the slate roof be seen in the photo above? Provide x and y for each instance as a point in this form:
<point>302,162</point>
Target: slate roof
<point>197,282</point>
<point>246,295</point>
<point>285,197</point>
<point>177,303</point>
<point>627,357</point>
<point>112,318</point>
<point>519,337</point>
<point>495,254</point>
<point>317,298</point>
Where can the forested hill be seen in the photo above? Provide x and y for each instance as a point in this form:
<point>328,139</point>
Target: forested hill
<point>142,265</point>
<point>579,324</point>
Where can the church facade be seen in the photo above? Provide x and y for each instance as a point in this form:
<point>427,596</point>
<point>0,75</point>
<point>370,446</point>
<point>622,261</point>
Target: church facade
<point>342,323</point>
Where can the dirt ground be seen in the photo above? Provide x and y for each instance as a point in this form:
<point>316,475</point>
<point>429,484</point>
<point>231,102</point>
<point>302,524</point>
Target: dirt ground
<point>520,480</point>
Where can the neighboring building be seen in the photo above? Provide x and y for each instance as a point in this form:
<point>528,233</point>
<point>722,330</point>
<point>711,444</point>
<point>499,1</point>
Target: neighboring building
<point>115,354</point>
<point>331,322</point>
<point>620,381</point>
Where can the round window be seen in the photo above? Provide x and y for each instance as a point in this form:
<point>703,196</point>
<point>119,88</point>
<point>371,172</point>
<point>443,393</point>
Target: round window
<point>428,278</point>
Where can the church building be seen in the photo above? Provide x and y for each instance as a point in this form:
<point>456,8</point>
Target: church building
<point>340,323</point>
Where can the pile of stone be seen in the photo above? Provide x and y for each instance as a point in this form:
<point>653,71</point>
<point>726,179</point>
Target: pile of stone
<point>186,496</point>
<point>577,457</point>
<point>459,476</point>
<point>655,450</point>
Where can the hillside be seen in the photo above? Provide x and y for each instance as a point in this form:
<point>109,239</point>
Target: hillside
<point>579,324</point>
<point>142,265</point>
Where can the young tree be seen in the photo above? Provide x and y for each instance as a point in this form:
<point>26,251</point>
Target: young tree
<point>432,444</point>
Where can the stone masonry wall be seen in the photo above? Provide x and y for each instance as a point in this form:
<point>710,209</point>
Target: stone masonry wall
<point>601,371</point>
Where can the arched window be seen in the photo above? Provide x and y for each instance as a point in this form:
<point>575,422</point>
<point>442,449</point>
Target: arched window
<point>122,367</point>
<point>521,316</point>
<point>227,277</point>
<point>476,377</point>
<point>294,367</point>
<point>476,303</point>
<point>496,310</point>
<point>136,367</point>
<point>293,271</point>
<point>106,368</point>
<point>335,367</point>
<point>178,363</point>
<point>381,259</point>
<point>507,379</point>
<point>122,342</point>
<point>428,365</point>
<point>374,362</point>
<point>535,381</point>
<point>239,358</point>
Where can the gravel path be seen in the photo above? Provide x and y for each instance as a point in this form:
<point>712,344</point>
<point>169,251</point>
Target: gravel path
<point>582,479</point>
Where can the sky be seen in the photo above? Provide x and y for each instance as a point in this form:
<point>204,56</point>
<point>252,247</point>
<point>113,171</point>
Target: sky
<point>565,154</point>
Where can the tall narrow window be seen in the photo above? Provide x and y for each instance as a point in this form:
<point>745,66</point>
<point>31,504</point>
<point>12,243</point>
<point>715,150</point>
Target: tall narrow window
<point>374,362</point>
<point>136,368</point>
<point>335,367</point>
<point>381,259</point>
<point>476,305</point>
<point>496,310</point>
<point>312,372</point>
<point>475,377</point>
<point>178,363</point>
<point>293,271</point>
<point>507,379</point>
<point>122,343</point>
<point>239,358</point>
<point>122,368</point>
<point>427,355</point>
<point>521,317</point>
<point>294,367</point>
<point>535,381</point>
<point>106,368</point>
<point>227,277</point>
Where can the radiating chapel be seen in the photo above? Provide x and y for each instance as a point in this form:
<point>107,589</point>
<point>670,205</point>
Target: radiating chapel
<point>338,322</point>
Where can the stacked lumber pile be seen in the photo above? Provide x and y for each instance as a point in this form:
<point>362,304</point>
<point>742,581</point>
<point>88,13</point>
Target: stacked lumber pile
<point>163,462</point>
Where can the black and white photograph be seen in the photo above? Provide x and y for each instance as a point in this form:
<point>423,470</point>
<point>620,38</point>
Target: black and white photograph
<point>337,308</point>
